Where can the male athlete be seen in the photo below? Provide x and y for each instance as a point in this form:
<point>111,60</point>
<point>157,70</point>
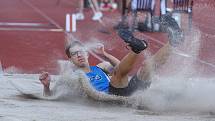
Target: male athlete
<point>118,83</point>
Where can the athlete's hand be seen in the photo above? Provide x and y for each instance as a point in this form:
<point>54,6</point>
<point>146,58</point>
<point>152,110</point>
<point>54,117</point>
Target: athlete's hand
<point>100,49</point>
<point>45,79</point>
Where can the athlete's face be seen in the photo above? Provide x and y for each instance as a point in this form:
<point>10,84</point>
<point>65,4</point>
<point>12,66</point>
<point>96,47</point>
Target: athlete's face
<point>79,56</point>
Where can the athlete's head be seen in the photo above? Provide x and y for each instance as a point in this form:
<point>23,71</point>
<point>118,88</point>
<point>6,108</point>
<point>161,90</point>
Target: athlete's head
<point>77,53</point>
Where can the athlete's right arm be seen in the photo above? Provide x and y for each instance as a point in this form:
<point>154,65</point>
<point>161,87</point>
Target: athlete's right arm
<point>45,80</point>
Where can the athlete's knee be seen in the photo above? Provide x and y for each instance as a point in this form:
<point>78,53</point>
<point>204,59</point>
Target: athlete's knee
<point>119,82</point>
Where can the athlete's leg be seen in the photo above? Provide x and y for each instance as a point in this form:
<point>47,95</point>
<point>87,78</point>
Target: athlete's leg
<point>149,65</point>
<point>119,77</point>
<point>96,6</point>
<point>81,5</point>
<point>120,74</point>
<point>125,8</point>
<point>80,14</point>
<point>119,81</point>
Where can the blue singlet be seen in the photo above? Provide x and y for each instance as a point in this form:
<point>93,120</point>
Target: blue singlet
<point>98,79</point>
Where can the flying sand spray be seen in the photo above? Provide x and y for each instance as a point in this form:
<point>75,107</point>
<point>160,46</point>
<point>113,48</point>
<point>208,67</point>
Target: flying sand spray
<point>1,69</point>
<point>174,90</point>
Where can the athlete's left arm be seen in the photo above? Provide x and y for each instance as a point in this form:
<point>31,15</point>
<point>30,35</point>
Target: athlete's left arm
<point>108,57</point>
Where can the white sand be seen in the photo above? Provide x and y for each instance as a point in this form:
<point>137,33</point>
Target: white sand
<point>17,108</point>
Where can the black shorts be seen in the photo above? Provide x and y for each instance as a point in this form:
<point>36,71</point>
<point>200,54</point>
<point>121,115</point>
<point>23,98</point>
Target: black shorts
<point>133,85</point>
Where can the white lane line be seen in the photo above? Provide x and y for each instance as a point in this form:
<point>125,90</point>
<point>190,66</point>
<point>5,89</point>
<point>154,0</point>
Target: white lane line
<point>42,14</point>
<point>207,63</point>
<point>22,24</point>
<point>189,56</point>
<point>31,29</point>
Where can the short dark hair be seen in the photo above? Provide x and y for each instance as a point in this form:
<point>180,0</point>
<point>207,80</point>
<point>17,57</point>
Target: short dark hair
<point>70,45</point>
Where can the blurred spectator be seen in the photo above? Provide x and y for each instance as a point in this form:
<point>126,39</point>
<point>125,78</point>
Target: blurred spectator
<point>107,5</point>
<point>94,5</point>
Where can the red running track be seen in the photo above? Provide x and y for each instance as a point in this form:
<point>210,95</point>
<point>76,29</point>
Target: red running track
<point>38,46</point>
